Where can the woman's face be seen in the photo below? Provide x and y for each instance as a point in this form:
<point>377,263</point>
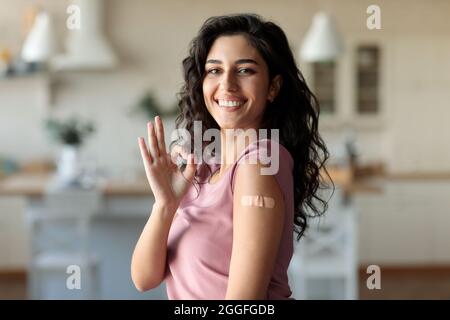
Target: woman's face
<point>236,83</point>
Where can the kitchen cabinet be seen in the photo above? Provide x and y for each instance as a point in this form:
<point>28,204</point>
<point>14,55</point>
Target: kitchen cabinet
<point>115,230</point>
<point>13,235</point>
<point>407,224</point>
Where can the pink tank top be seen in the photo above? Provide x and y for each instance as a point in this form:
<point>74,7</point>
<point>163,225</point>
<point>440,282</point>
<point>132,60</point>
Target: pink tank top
<point>200,238</point>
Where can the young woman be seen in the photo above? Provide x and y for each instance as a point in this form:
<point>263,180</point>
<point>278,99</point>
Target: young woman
<point>225,231</point>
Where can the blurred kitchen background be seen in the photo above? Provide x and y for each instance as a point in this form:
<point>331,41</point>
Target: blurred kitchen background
<point>82,96</point>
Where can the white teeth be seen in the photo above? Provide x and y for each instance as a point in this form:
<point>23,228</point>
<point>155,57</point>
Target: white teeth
<point>227,103</point>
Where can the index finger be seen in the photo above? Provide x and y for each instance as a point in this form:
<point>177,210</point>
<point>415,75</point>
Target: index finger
<point>144,151</point>
<point>160,135</point>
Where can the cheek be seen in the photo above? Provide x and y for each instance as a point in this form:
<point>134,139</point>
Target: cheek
<point>208,94</point>
<point>256,88</point>
<point>208,88</point>
<point>205,90</point>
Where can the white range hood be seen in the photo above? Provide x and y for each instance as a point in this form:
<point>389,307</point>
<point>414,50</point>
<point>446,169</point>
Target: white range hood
<point>87,47</point>
<point>322,42</point>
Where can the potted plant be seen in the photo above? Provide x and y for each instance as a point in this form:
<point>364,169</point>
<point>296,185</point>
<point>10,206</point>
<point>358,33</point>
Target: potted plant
<point>149,106</point>
<point>71,134</point>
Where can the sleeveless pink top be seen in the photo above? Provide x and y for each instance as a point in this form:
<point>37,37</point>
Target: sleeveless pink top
<point>200,238</point>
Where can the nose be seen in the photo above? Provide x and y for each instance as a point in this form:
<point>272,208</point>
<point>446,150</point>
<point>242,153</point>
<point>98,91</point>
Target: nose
<point>228,82</point>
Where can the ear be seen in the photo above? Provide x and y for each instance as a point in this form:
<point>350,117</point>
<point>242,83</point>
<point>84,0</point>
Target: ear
<point>274,88</point>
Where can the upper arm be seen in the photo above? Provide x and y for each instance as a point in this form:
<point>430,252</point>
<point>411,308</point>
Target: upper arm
<point>257,234</point>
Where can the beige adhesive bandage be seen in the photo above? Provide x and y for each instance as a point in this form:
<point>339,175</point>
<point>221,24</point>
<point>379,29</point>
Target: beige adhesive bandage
<point>258,201</point>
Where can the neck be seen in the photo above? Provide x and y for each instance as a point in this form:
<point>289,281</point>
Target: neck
<point>232,143</point>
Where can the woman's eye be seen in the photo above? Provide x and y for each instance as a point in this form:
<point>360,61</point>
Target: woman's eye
<point>245,71</point>
<point>213,71</point>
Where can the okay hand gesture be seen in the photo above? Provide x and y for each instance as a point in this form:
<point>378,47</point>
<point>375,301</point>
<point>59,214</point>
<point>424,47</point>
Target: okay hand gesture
<point>168,183</point>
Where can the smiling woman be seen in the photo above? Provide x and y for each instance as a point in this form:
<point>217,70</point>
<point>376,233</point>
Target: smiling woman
<point>204,238</point>
<point>236,86</point>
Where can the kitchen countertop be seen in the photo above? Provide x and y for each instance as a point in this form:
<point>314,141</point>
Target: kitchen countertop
<point>33,185</point>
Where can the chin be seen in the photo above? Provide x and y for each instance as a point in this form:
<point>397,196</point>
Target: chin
<point>227,125</point>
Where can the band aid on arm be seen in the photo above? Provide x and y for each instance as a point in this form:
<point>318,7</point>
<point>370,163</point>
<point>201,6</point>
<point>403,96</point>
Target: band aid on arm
<point>258,201</point>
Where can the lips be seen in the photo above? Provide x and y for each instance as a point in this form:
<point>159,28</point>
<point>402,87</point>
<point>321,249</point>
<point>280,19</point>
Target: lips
<point>228,103</point>
<point>233,103</point>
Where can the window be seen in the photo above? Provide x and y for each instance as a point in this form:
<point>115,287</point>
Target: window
<point>324,85</point>
<point>367,79</point>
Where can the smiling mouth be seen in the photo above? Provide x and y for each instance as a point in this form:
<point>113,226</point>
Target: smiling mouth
<point>230,103</point>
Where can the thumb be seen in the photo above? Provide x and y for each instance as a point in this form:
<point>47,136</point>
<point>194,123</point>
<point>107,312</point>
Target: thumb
<point>189,172</point>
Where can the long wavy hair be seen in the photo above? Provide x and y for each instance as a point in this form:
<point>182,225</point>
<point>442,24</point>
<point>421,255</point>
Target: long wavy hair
<point>294,111</point>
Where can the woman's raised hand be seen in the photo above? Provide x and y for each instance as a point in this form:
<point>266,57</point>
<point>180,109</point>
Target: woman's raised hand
<point>166,180</point>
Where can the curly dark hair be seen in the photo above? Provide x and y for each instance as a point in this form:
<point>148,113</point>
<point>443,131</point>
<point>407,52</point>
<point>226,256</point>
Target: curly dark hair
<point>295,110</point>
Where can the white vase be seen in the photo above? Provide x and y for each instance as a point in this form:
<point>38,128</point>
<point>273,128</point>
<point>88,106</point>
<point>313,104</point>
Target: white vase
<point>68,168</point>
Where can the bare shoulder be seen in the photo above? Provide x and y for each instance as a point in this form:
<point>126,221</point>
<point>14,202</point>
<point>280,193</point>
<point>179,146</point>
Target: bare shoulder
<point>250,181</point>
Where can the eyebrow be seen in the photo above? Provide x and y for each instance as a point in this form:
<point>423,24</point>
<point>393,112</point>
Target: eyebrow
<point>240,61</point>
